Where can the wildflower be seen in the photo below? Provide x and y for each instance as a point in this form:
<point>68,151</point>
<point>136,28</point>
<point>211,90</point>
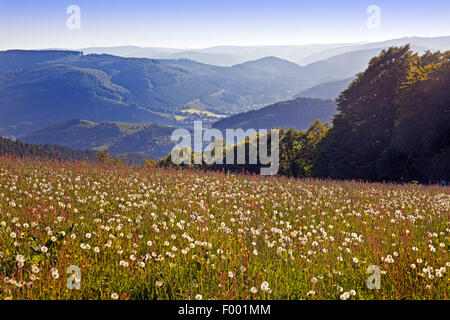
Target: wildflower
<point>123,263</point>
<point>345,296</point>
<point>114,296</point>
<point>310,293</point>
<point>54,272</point>
<point>253,290</point>
<point>264,286</point>
<point>35,269</point>
<point>198,297</point>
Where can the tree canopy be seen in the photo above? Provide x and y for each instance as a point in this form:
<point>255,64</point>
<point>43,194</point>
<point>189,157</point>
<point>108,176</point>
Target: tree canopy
<point>393,121</point>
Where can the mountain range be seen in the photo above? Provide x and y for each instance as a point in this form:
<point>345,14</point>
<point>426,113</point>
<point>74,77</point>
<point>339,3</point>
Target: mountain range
<point>224,56</point>
<point>301,54</point>
<point>38,88</point>
<point>41,88</point>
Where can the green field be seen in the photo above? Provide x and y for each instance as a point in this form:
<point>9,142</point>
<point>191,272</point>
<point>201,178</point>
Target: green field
<point>152,233</point>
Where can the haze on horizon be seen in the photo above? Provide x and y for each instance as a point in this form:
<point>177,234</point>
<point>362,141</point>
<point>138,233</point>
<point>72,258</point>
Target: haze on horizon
<point>27,24</point>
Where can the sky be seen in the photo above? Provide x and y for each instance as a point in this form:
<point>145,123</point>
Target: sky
<point>31,24</point>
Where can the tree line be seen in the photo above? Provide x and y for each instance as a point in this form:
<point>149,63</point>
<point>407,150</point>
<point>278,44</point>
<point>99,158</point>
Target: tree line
<point>51,152</point>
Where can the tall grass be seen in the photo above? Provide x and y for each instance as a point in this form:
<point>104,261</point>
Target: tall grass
<point>150,233</point>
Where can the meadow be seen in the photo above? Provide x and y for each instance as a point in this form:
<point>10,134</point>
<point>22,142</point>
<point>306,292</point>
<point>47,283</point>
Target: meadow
<point>162,233</point>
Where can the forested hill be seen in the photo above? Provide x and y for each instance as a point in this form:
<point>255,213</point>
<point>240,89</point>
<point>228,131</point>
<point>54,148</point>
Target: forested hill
<point>117,137</point>
<point>298,114</point>
<point>52,152</point>
<point>327,90</point>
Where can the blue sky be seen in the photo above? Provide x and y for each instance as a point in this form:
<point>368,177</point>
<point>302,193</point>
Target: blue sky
<point>29,24</point>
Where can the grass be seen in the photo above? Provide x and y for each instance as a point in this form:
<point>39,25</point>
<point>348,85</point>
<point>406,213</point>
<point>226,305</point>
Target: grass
<point>151,233</point>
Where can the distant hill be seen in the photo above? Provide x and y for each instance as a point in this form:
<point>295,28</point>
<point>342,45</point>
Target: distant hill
<point>419,44</point>
<point>339,67</point>
<point>52,152</point>
<point>298,114</point>
<point>33,98</point>
<point>219,55</point>
<point>119,138</point>
<point>327,90</point>
<point>301,54</point>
